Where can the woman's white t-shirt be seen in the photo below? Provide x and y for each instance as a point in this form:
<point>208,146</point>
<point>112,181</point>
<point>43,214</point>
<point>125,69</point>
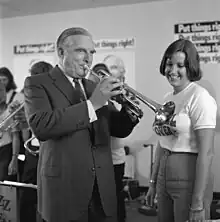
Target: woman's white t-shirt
<point>195,109</point>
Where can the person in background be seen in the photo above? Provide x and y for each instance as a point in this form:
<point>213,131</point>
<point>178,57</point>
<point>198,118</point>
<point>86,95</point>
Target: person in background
<point>37,67</point>
<point>40,67</point>
<point>116,68</point>
<point>72,117</point>
<point>28,198</point>
<point>14,99</point>
<point>7,79</point>
<point>182,172</point>
<point>9,142</point>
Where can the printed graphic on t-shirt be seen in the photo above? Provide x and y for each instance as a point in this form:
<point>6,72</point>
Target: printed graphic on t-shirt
<point>164,122</point>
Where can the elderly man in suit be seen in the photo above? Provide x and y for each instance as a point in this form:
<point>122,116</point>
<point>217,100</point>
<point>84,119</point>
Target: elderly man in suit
<point>74,121</point>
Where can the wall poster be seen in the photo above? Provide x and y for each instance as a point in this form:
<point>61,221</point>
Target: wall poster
<point>121,48</point>
<point>26,55</point>
<point>206,37</point>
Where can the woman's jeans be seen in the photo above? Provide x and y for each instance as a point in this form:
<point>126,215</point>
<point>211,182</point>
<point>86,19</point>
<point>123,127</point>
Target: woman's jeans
<point>175,183</point>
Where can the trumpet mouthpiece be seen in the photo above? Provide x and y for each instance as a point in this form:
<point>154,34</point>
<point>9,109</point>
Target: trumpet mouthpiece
<point>86,66</point>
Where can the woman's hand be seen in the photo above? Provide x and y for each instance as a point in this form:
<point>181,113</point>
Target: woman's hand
<point>150,197</point>
<point>197,215</point>
<point>13,166</point>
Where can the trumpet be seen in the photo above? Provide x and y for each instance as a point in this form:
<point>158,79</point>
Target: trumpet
<point>100,71</point>
<point>163,112</point>
<point>4,122</point>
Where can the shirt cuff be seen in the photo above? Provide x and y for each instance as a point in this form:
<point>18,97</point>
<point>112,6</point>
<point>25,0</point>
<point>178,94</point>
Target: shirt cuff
<point>91,110</point>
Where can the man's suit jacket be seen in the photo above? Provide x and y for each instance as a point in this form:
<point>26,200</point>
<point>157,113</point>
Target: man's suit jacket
<point>73,150</point>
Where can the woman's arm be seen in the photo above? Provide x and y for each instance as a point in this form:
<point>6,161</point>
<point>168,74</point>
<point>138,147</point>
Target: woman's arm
<point>156,164</point>
<point>13,165</point>
<point>205,143</point>
<point>202,113</point>
<point>15,144</point>
<point>26,134</point>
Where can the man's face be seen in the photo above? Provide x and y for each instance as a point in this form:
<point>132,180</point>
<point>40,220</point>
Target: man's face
<point>78,52</point>
<point>116,67</point>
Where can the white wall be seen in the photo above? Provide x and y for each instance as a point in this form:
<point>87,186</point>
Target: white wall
<point>1,38</point>
<point>152,24</point>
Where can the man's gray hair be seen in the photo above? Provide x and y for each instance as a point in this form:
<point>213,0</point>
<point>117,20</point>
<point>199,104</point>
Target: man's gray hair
<point>70,32</point>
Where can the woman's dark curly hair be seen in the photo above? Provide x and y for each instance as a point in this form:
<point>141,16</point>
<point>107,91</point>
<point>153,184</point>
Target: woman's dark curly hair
<point>7,73</point>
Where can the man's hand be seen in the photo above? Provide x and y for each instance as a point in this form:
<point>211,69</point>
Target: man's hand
<point>107,88</point>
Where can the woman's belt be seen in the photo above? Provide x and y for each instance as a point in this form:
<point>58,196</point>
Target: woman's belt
<point>169,152</point>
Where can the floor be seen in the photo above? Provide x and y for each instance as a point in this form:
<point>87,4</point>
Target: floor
<point>134,216</point>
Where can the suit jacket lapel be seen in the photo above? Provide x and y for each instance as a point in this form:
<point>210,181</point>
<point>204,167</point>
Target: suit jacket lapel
<point>63,85</point>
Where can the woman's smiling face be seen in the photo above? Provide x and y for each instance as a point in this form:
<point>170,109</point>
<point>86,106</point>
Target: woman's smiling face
<point>176,72</point>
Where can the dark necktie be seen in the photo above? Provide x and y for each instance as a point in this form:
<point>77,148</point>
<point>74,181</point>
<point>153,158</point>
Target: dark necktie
<point>79,89</point>
<point>82,97</point>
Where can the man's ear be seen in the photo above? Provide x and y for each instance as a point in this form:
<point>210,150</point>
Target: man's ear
<point>60,52</point>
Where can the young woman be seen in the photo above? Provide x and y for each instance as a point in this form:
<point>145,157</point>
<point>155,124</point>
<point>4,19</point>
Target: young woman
<point>182,175</point>
<point>9,142</point>
<point>14,99</point>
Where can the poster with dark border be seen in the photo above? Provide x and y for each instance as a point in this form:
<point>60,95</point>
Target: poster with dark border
<point>206,37</point>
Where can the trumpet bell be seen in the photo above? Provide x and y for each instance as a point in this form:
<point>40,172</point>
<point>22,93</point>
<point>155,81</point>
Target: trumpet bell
<point>161,118</point>
<point>165,113</point>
